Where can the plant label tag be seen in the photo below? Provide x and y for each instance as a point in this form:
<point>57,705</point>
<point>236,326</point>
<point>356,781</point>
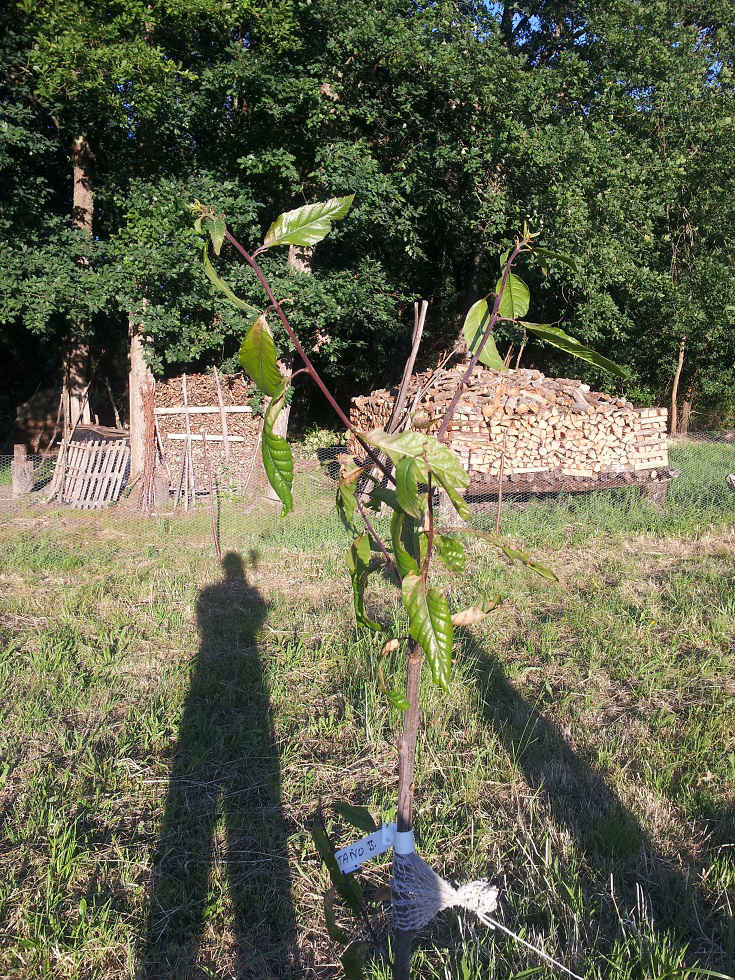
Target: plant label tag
<point>350,858</point>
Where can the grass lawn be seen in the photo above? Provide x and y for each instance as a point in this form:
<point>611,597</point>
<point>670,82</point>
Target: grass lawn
<point>168,732</point>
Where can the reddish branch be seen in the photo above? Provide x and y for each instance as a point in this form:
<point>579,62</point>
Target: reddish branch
<point>304,357</point>
<point>449,414</point>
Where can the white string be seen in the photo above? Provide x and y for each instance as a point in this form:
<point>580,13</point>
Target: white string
<point>494,924</point>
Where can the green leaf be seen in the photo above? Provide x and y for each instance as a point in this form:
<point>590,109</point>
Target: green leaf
<point>358,563</point>
<point>217,233</point>
<point>222,285</point>
<point>557,338</point>
<point>547,253</point>
<point>277,459</point>
<point>475,325</point>
<point>346,886</point>
<point>353,960</point>
<point>445,466</point>
<point>258,358</point>
<point>407,491</point>
<point>381,495</point>
<point>429,454</point>
<point>404,560</point>
<point>398,444</point>
<point>309,224</point>
<point>335,933</point>
<point>504,258</point>
<point>398,700</point>
<point>473,614</point>
<point>515,554</point>
<point>346,504</point>
<point>356,816</point>
<point>430,624</point>
<point>458,501</point>
<point>450,551</point>
<point>516,297</point>
<point>543,570</point>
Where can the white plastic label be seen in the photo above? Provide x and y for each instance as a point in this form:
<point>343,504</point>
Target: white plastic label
<point>350,858</point>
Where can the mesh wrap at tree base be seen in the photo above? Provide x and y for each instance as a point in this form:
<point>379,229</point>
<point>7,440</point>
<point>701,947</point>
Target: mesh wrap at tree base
<point>418,893</point>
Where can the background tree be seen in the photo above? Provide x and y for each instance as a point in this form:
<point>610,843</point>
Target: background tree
<point>453,124</point>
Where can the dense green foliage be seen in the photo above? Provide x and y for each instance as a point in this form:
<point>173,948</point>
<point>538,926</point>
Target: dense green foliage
<point>608,125</point>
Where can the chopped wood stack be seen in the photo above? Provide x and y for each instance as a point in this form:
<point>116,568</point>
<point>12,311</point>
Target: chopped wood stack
<point>545,430</point>
<point>216,406</point>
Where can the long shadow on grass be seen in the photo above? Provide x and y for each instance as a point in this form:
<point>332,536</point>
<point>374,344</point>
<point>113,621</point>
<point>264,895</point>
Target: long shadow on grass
<point>610,839</point>
<point>223,809</point>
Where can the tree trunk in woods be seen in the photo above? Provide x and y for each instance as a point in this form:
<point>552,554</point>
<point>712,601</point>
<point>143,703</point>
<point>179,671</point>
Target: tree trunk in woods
<point>506,23</point>
<point>138,376</point>
<point>76,368</point>
<point>673,427</point>
<point>686,406</point>
<point>299,259</point>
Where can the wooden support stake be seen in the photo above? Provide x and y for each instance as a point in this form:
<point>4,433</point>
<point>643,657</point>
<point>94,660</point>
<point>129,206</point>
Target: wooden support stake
<point>215,536</point>
<point>223,417</point>
<point>190,484</point>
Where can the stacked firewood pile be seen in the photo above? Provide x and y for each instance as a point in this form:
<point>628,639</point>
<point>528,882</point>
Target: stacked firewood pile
<point>539,431</point>
<point>192,406</point>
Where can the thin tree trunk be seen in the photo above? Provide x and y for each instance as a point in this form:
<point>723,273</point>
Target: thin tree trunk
<point>686,406</point>
<point>139,376</point>
<point>404,816</point>
<point>673,427</point>
<point>76,368</point>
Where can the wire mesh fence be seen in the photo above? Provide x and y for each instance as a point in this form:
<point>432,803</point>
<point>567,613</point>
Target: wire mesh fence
<point>697,496</point>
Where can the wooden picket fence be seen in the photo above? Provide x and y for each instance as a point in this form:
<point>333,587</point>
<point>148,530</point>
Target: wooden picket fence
<point>94,472</point>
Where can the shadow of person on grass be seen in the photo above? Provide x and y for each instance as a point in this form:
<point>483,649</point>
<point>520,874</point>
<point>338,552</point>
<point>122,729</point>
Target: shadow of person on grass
<point>608,836</point>
<point>223,809</point>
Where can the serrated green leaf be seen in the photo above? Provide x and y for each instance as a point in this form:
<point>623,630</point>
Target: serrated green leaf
<point>353,960</point>
<point>405,562</point>
<point>277,459</point>
<point>381,495</point>
<point>557,338</point>
<point>358,563</point>
<point>546,253</point>
<point>217,233</point>
<point>450,551</point>
<point>475,325</point>
<point>456,498</point>
<point>258,358</point>
<point>428,453</point>
<point>425,450</point>
<point>356,816</point>
<point>222,285</point>
<point>516,297</point>
<point>399,444</point>
<point>398,700</point>
<point>347,888</point>
<point>346,504</point>
<point>445,466</point>
<point>430,624</point>
<point>473,614</point>
<point>309,224</point>
<point>407,491</point>
<point>515,554</point>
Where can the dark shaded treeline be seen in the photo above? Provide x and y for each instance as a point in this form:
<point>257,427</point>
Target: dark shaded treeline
<point>604,124</point>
